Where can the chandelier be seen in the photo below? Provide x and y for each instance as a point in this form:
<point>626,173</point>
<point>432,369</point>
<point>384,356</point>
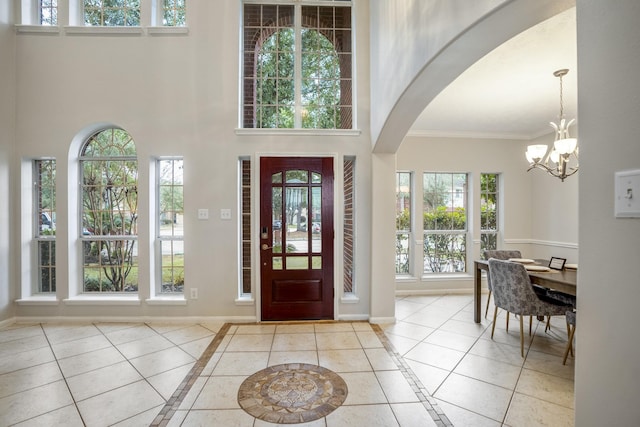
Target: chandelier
<point>564,147</point>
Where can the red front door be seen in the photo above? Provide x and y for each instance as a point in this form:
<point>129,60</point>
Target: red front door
<point>296,238</point>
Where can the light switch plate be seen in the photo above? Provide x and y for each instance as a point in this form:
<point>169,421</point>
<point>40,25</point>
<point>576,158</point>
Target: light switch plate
<point>627,194</point>
<point>203,213</point>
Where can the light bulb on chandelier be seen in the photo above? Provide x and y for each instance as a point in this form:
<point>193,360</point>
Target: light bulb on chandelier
<point>564,147</point>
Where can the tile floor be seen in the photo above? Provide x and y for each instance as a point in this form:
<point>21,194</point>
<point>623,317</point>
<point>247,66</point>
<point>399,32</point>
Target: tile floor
<point>433,367</point>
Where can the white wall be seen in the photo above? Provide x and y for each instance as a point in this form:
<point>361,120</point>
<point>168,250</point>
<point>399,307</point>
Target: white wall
<point>607,379</point>
<point>7,135</point>
<point>176,95</point>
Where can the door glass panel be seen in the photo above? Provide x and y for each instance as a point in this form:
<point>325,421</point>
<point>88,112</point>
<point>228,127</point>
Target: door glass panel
<point>297,263</point>
<point>296,222</point>
<point>316,219</point>
<point>276,177</point>
<point>276,214</point>
<point>316,262</point>
<point>277,263</point>
<point>316,178</point>
<point>297,177</point>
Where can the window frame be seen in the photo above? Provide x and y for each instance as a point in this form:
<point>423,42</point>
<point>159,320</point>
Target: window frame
<point>409,231</point>
<point>497,212</point>
<point>40,240</point>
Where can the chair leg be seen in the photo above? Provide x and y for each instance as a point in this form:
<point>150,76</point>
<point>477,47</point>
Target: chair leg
<point>493,327</point>
<point>486,310</point>
<point>507,321</point>
<point>530,324</point>
<point>521,336</point>
<point>569,344</point>
<point>548,327</point>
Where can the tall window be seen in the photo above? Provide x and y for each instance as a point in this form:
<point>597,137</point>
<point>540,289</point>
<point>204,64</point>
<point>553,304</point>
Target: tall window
<point>48,12</point>
<point>170,224</point>
<point>245,209</point>
<point>112,13</point>
<point>489,211</point>
<point>109,206</point>
<point>349,223</point>
<point>297,65</point>
<point>403,222</point>
<point>445,222</point>
<point>44,223</point>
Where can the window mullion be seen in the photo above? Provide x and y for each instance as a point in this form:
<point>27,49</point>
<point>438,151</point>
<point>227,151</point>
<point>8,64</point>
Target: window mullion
<point>297,68</point>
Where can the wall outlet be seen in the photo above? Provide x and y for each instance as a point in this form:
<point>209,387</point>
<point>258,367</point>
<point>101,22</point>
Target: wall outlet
<point>225,213</point>
<point>203,213</point>
<point>194,293</point>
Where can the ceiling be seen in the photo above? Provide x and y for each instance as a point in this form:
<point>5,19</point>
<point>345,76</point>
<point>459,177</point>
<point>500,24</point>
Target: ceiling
<point>511,92</point>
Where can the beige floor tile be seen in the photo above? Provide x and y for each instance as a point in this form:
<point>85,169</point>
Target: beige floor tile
<point>246,363</point>
<point>219,393</point>
<point>361,327</point>
<point>60,333</point>
<point>527,411</point>
<point>334,327</point>
<point>101,380</point>
<point>497,351</point>
<point>369,339</point>
<point>254,329</point>
<point>211,364</point>
<point>138,332</point>
<point>364,388</point>
<point>214,326</point>
<point>401,344</point>
<point>294,342</point>
<point>28,378</point>
<point>193,393</point>
<point>408,330</point>
<point>463,417</point>
<point>107,327</point>
<point>396,387</point>
<point>177,419</point>
<point>86,362</point>
<point>119,404</point>
<point>20,332</point>
<point>380,359</point>
<point>470,329</point>
<point>80,346</point>
<point>230,418</point>
<point>167,382</point>
<point>429,318</point>
<point>262,342</point>
<point>185,335</point>
<point>430,376</point>
<point>35,402</point>
<point>164,327</point>
<point>144,346</point>
<point>361,416</point>
<point>143,419</point>
<point>452,340</point>
<point>10,348</point>
<point>197,347</point>
<point>546,387</point>
<point>67,416</point>
<point>161,361</point>
<point>337,341</point>
<point>412,415</point>
<point>550,364</point>
<point>344,360</point>
<point>295,329</point>
<point>282,357</point>
<point>489,370</point>
<point>435,355</point>
<point>26,359</point>
<point>477,396</point>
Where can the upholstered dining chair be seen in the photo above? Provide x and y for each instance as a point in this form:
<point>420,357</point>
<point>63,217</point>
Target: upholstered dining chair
<point>512,291</point>
<point>497,254</point>
<point>571,329</point>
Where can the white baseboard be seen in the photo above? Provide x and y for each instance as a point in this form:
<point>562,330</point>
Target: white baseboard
<point>134,319</point>
<point>382,320</point>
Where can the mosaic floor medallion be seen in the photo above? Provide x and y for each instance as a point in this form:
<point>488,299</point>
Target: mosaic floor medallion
<point>292,393</point>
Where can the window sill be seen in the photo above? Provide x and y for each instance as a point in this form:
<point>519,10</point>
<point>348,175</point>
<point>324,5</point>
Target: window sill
<point>349,299</point>
<point>307,132</point>
<point>39,29</point>
<point>245,301</point>
<point>165,31</point>
<point>38,300</point>
<point>167,300</point>
<point>446,277</point>
<point>103,300</point>
<point>104,30</point>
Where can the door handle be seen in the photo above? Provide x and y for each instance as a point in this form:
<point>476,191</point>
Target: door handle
<point>265,247</point>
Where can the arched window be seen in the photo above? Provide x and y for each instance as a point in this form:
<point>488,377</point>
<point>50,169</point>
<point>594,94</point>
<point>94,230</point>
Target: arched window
<point>109,208</point>
<point>297,66</point>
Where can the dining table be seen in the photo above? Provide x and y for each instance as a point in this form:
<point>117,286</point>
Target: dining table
<point>565,280</point>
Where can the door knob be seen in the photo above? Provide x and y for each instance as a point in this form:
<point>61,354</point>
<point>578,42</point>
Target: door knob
<point>265,247</point>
